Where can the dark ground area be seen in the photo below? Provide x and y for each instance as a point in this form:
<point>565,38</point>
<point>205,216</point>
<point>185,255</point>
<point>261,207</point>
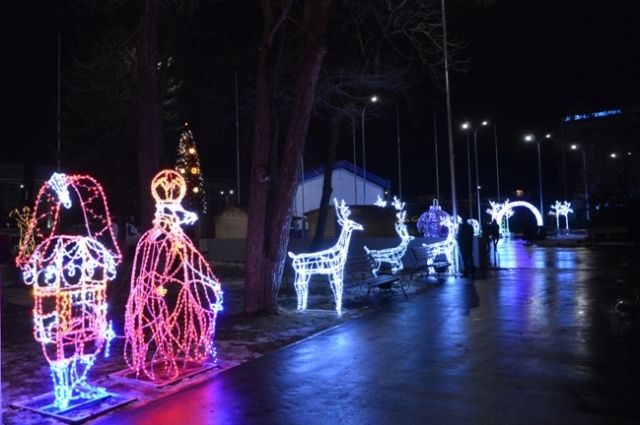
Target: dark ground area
<point>557,301</point>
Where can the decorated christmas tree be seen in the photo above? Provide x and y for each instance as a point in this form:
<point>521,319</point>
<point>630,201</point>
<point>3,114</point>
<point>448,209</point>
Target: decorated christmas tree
<point>188,165</point>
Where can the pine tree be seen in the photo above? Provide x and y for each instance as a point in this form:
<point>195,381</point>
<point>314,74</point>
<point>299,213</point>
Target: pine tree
<point>188,165</point>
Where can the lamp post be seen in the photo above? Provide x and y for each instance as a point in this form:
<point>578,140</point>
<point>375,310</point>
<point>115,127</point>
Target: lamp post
<point>495,138</point>
<point>469,176</point>
<point>373,99</point>
<point>467,126</point>
<point>584,179</point>
<point>532,138</point>
<point>355,174</point>
<point>452,156</point>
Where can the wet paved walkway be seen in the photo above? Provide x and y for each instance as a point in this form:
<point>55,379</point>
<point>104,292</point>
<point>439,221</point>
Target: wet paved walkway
<point>537,345</point>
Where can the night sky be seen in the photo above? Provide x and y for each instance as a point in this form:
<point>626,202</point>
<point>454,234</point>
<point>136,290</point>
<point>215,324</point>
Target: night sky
<point>531,63</point>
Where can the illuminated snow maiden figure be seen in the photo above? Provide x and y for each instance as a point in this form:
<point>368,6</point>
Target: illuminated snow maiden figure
<point>69,274</point>
<point>175,297</point>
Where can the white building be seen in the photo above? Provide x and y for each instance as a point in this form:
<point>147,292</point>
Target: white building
<point>347,183</point>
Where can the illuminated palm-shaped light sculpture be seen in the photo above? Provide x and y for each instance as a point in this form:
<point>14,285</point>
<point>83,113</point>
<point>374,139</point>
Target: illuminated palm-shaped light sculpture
<point>69,273</point>
<point>175,297</point>
<point>328,262</point>
<point>392,256</point>
<point>501,213</point>
<point>22,218</point>
<point>561,209</point>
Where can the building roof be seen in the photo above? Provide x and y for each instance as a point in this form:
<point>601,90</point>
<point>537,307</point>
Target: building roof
<point>346,165</point>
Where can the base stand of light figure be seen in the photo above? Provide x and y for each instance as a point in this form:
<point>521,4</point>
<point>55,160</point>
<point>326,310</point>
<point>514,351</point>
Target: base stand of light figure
<point>69,275</point>
<point>329,262</point>
<point>175,297</point>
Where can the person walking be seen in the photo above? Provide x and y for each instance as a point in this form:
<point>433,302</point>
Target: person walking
<point>494,232</point>
<point>465,244</point>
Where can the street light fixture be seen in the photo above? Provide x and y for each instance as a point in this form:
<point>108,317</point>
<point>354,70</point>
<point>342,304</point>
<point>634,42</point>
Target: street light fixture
<point>467,126</point>
<point>584,175</point>
<point>372,99</point>
<point>532,138</point>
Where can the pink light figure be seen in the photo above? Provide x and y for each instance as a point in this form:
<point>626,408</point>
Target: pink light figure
<point>175,297</point>
<point>69,274</point>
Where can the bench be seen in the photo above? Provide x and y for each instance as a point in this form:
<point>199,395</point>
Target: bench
<point>426,263</point>
<point>358,273</point>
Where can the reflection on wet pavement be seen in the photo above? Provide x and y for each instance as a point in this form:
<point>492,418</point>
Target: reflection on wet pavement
<point>537,342</point>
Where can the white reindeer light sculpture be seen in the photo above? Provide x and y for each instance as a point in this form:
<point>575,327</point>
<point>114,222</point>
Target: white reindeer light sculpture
<point>392,256</point>
<point>329,262</point>
<point>445,247</point>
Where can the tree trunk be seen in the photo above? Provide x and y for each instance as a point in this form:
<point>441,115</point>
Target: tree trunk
<point>267,239</point>
<point>327,188</point>
<point>255,295</point>
<point>148,110</point>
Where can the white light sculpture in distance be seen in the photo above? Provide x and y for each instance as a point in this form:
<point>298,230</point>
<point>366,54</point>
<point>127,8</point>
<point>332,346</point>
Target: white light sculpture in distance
<point>561,209</point>
<point>506,208</point>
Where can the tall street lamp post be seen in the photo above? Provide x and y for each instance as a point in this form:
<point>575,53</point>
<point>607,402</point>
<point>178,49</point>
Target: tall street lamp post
<point>373,99</point>
<point>495,139</point>
<point>532,138</point>
<point>467,126</point>
<point>469,177</point>
<point>584,179</point>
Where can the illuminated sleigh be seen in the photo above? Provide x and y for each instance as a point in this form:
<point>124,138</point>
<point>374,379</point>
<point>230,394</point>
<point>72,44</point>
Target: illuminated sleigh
<point>69,274</point>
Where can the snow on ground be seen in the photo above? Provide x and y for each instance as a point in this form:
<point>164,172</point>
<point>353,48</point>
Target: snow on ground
<point>239,337</point>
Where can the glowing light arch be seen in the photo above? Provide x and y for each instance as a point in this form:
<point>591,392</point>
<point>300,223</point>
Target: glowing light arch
<point>511,205</point>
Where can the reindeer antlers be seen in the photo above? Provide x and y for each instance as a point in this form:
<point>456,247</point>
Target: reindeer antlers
<point>342,210</point>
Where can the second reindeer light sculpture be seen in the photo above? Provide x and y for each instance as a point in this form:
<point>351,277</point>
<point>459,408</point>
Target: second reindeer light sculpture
<point>175,297</point>
<point>329,262</point>
<point>392,256</point>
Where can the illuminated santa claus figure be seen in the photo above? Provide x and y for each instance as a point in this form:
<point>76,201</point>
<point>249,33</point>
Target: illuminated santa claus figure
<point>74,258</point>
<point>175,297</point>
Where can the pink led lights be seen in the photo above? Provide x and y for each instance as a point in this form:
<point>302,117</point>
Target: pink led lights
<point>174,299</point>
<point>69,270</point>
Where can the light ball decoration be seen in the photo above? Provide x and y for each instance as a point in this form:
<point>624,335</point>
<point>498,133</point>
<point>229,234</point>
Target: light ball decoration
<point>175,297</point>
<point>69,275</point>
<point>430,222</point>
